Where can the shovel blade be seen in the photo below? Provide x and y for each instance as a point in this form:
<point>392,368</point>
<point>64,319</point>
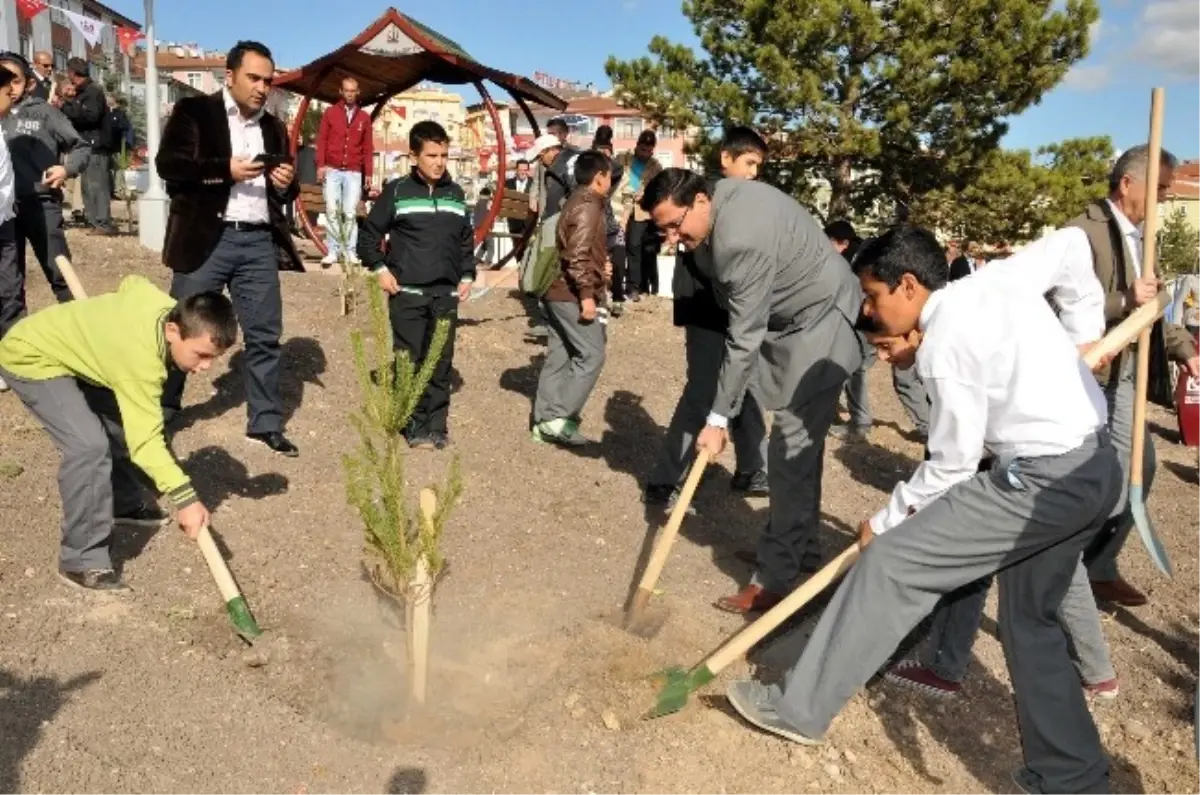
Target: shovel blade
<point>679,684</point>
<point>243,621</point>
<point>1150,539</point>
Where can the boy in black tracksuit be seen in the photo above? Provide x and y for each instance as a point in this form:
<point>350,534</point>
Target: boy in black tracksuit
<point>427,270</point>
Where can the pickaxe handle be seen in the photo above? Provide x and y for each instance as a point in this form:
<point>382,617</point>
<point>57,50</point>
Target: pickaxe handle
<point>72,278</point>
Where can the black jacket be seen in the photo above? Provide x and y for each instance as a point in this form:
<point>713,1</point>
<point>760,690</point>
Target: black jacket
<point>86,111</point>
<point>695,302</point>
<point>430,239</point>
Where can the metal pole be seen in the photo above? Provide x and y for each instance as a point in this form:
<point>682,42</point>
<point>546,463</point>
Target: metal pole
<point>152,207</point>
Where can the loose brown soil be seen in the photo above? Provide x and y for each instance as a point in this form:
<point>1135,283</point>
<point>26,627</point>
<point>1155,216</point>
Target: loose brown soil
<point>532,688</point>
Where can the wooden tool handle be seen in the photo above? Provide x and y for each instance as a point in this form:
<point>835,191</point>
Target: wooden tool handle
<point>663,548</point>
<point>1140,320</point>
<point>745,640</point>
<point>216,565</point>
<point>71,278</point>
<point>420,601</point>
<point>1149,247</point>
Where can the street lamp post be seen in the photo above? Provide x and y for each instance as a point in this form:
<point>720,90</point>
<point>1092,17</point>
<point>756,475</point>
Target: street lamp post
<point>152,206</point>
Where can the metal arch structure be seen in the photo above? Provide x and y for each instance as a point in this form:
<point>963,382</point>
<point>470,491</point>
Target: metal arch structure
<point>392,55</point>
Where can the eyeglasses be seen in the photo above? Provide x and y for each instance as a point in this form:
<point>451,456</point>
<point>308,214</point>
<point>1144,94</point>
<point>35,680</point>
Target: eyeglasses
<point>674,225</point>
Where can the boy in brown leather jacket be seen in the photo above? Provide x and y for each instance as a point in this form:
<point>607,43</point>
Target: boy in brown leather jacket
<point>575,347</point>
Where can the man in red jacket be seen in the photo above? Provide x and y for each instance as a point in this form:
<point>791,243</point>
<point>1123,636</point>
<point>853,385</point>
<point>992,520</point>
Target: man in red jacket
<point>345,149</point>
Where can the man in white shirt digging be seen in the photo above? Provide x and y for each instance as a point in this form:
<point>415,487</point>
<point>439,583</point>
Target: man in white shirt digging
<point>1006,380</point>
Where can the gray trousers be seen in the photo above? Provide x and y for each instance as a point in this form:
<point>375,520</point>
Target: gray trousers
<point>97,189</point>
<point>946,650</point>
<point>1101,555</point>
<point>858,400</point>
<point>1028,520</point>
<point>243,261</point>
<point>913,397</point>
<point>574,358</point>
<point>96,479</point>
<point>795,453</point>
<point>705,350</point>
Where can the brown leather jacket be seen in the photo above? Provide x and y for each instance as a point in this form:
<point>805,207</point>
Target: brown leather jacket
<point>582,248</point>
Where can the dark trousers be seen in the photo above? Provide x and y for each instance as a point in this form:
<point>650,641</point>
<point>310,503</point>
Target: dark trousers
<point>619,273</point>
<point>641,251</point>
<point>40,223</point>
<point>97,189</point>
<point>243,261</point>
<point>12,278</point>
<point>414,318</point>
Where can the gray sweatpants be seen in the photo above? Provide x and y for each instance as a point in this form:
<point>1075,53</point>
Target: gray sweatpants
<point>858,399</point>
<point>1031,532</point>
<point>795,453</point>
<point>913,398</point>
<point>1100,557</point>
<point>705,350</point>
<point>946,650</point>
<point>574,358</point>
<point>96,475</point>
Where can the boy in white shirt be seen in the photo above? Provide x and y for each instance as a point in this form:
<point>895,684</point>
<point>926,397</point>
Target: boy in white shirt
<point>1005,379</point>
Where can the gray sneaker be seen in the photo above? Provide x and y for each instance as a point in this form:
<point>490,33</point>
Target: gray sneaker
<point>561,432</point>
<point>850,434</point>
<point>753,702</point>
<point>102,580</point>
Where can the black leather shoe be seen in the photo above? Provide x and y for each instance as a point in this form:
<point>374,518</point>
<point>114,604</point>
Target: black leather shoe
<point>146,516</point>
<point>105,580</point>
<point>276,441</point>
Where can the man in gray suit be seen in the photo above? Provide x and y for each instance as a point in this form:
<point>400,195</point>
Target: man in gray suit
<point>792,306</point>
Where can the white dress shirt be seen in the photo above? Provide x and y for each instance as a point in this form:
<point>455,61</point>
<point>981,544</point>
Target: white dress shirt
<point>7,189</point>
<point>247,200</point>
<point>1132,235</point>
<point>1003,374</point>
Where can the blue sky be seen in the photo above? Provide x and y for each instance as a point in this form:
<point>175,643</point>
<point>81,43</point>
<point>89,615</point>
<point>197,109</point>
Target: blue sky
<point>1136,45</point>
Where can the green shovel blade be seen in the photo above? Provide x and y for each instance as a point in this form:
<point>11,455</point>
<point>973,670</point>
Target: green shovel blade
<point>239,614</point>
<point>1150,539</point>
<point>679,684</point>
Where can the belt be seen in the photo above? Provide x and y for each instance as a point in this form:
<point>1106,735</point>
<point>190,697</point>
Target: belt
<point>248,226</point>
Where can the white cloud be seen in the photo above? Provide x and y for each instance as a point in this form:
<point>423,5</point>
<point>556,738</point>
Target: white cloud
<point>1169,30</point>
<point>1094,31</point>
<point>1087,78</point>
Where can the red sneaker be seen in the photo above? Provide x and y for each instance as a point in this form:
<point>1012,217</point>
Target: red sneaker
<point>1106,690</point>
<point>751,599</point>
<point>913,675</point>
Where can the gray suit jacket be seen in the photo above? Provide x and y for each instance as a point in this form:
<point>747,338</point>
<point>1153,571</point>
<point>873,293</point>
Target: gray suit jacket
<point>791,299</point>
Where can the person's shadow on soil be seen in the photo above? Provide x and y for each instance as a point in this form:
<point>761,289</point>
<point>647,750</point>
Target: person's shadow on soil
<point>407,780</point>
<point>302,361</point>
<point>26,705</point>
<point>1184,472</point>
<point>523,380</point>
<point>877,467</point>
<point>218,476</point>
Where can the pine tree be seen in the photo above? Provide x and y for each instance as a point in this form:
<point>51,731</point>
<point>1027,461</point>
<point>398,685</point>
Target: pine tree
<point>885,100</point>
<point>1179,245</point>
<point>391,387</point>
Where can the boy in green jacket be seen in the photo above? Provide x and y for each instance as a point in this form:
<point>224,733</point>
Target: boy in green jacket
<point>92,372</point>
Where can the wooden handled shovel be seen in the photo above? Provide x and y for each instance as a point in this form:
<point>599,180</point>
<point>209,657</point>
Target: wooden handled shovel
<point>1137,497</point>
<point>71,278</point>
<point>658,559</point>
<point>680,683</point>
<point>235,603</point>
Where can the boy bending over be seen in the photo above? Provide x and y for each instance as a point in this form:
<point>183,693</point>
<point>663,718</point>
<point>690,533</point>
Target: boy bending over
<point>92,372</point>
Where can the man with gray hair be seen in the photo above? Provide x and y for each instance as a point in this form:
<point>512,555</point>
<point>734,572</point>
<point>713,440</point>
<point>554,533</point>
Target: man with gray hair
<point>1119,217</point>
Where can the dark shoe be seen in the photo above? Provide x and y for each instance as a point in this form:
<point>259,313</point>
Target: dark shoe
<point>441,440</point>
<point>850,434</point>
<point>276,441</point>
<point>660,494</point>
<point>104,580</point>
<point>1118,592</point>
<point>618,308</point>
<point>752,701</point>
<point>751,599</point>
<point>635,296</point>
<point>146,516</point>
<point>913,675</point>
<point>422,443</point>
<point>752,484</point>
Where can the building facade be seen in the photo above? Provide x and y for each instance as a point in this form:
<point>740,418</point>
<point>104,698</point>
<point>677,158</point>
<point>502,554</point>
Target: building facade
<point>53,31</point>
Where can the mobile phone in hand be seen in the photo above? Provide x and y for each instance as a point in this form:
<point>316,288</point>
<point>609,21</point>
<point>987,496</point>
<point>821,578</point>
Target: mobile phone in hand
<point>272,160</point>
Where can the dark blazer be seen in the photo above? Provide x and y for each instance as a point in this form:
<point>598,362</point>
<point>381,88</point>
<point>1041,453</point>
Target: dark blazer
<point>959,268</point>
<point>1116,273</point>
<point>193,160</point>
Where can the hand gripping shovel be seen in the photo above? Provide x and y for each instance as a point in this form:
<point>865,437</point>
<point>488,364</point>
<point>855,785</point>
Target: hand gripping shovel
<point>680,683</point>
<point>634,619</point>
<point>1137,497</point>
<point>235,603</point>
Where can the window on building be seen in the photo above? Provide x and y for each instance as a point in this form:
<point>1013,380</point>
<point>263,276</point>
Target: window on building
<point>195,79</point>
<point>627,128</point>
<point>61,57</point>
<point>26,46</point>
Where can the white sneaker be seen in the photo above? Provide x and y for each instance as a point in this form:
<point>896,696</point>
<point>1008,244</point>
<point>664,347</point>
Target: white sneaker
<point>354,260</point>
<point>3,385</point>
<point>329,259</point>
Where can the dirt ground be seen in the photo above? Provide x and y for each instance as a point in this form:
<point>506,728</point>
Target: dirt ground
<point>532,689</point>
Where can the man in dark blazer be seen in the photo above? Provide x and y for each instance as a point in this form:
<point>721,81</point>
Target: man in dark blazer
<point>522,182</point>
<point>227,227</point>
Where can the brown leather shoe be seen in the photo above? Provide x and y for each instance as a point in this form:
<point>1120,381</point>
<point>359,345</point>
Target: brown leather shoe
<point>1118,592</point>
<point>751,599</point>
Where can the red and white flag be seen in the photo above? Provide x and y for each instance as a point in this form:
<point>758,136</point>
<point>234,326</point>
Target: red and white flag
<point>28,9</point>
<point>90,29</point>
<point>127,38</point>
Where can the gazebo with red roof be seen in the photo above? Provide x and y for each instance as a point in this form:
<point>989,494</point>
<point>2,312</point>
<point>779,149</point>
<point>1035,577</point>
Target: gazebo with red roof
<point>392,55</point>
